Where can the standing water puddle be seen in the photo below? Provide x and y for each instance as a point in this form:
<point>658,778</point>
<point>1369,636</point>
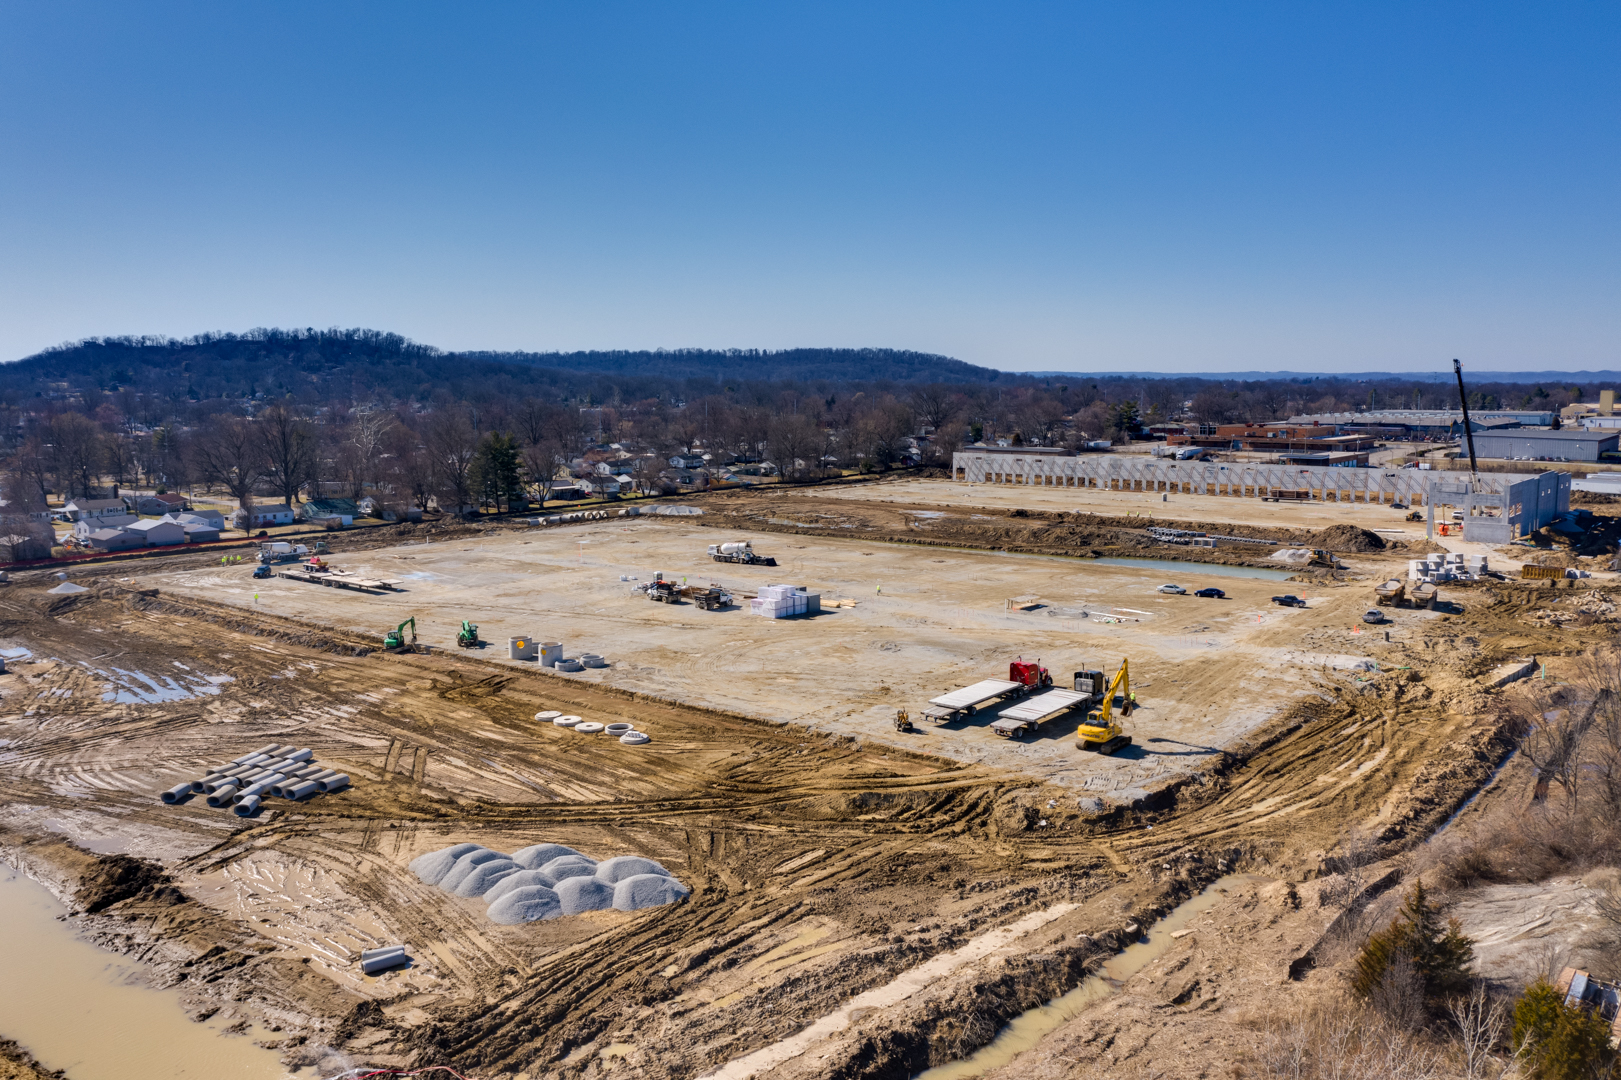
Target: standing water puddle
<point>77,1008</point>
<point>1028,1029</point>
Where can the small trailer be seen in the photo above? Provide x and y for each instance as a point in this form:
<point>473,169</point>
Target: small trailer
<point>970,699</point>
<point>340,581</point>
<point>1029,715</point>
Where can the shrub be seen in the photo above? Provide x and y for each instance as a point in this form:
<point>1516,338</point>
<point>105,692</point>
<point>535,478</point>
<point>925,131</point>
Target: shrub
<point>1558,1041</point>
<point>1414,949</point>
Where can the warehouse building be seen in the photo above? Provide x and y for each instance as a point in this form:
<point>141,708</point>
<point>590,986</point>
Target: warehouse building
<point>1523,444</point>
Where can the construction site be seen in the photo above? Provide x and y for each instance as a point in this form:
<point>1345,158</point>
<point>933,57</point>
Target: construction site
<point>944,777</point>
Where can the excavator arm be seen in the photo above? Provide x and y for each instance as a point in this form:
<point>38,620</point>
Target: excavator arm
<point>1100,732</point>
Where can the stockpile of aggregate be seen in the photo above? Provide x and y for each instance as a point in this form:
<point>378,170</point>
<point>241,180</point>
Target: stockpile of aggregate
<point>546,881</point>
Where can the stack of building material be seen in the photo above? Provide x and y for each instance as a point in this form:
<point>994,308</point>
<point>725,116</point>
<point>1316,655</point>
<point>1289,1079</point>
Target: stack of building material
<point>270,771</point>
<point>545,881</point>
<point>785,601</point>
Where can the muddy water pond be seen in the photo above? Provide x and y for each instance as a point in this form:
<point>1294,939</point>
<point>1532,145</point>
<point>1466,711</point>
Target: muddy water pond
<point>78,1008</point>
<point>1027,1029</point>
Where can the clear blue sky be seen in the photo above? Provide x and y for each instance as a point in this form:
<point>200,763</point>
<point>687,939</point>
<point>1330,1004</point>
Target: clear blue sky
<point>1063,186</point>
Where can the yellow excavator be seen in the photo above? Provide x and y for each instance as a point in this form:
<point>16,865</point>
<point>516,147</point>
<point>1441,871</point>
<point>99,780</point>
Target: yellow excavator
<point>1100,732</point>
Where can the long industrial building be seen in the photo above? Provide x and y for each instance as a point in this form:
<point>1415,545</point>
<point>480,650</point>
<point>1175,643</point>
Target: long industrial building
<point>1495,507</point>
<point>1528,445</point>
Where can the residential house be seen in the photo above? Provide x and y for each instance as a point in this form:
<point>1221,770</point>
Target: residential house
<point>262,517</point>
<point>160,504</point>
<point>199,517</point>
<point>114,540</point>
<point>344,510</point>
<point>16,548</point>
<point>95,509</point>
<point>199,532</point>
<point>686,461</point>
<point>158,532</point>
<point>600,486</point>
<point>84,528</point>
<point>691,479</point>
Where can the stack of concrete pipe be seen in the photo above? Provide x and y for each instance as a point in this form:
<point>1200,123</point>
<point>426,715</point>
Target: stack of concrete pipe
<point>271,771</point>
<point>544,881</point>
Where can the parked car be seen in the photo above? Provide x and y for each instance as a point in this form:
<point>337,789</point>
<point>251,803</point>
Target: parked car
<point>1177,589</point>
<point>263,571</point>
<point>1291,600</point>
<point>1374,616</point>
<point>1212,594</point>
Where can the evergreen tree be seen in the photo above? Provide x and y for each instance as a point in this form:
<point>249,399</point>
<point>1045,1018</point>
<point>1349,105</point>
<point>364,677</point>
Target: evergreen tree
<point>1558,1041</point>
<point>495,476</point>
<point>1440,956</point>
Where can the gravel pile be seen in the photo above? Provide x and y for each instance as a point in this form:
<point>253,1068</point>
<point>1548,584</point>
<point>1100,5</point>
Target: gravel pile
<point>544,881</point>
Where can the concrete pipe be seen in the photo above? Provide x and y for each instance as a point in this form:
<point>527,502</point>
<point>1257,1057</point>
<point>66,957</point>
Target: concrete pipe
<point>592,660</point>
<point>247,807</point>
<point>550,653</point>
<point>305,754</point>
<point>222,796</point>
<point>635,738</point>
<point>384,962</point>
<point>261,788</point>
<point>333,786</point>
<point>569,665</point>
<point>372,954</point>
<point>332,783</point>
<point>523,648</point>
<point>590,727</point>
<point>221,782</point>
<point>617,730</point>
<point>303,791</point>
<point>200,786</point>
<point>178,793</point>
<point>317,775</point>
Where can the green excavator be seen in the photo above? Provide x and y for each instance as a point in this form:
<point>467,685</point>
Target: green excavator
<point>395,638</point>
<point>467,638</point>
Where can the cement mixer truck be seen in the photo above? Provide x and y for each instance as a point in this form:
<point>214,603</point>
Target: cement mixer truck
<point>739,552</point>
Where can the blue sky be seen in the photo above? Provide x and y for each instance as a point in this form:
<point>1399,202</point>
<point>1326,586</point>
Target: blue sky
<point>1064,186</point>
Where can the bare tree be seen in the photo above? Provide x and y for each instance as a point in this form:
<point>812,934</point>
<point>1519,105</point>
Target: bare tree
<point>1480,1019</point>
<point>288,447</point>
<point>452,446</point>
<point>76,453</point>
<point>227,451</point>
<point>369,428</point>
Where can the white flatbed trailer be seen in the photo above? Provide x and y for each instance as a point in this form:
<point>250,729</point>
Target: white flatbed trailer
<point>1029,715</point>
<point>969,699</point>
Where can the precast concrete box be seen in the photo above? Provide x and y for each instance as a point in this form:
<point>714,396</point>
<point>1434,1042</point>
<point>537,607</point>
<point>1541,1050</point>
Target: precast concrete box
<point>550,653</point>
<point>523,648</point>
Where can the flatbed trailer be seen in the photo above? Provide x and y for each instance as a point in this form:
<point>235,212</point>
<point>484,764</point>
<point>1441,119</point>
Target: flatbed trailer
<point>1030,715</point>
<point>970,699</point>
<point>338,581</point>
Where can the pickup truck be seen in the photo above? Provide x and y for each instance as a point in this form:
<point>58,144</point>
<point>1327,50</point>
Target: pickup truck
<point>1291,600</point>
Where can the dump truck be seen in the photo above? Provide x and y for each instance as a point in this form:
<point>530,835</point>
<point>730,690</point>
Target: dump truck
<point>1425,595</point>
<point>1392,593</point>
<point>661,591</point>
<point>739,552</point>
<point>1100,732</point>
<point>1022,678</point>
<point>1029,715</point>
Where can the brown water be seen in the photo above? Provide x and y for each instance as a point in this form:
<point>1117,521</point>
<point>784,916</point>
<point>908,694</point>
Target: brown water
<point>1030,1027</point>
<point>77,1008</point>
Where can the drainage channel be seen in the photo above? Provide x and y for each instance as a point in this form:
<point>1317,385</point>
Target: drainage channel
<point>1027,1029</point>
<point>80,1009</point>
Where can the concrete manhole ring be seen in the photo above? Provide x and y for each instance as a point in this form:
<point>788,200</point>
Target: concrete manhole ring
<point>567,721</point>
<point>617,730</point>
<point>552,714</point>
<point>635,738</point>
<point>590,727</point>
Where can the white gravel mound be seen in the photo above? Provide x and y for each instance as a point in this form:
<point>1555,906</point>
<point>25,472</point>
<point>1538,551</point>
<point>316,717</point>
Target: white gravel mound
<point>578,894</point>
<point>528,904</point>
<point>535,856</point>
<point>432,867</point>
<point>478,882</point>
<point>521,880</point>
<point>464,866</point>
<point>570,866</point>
<point>613,871</point>
<point>647,890</point>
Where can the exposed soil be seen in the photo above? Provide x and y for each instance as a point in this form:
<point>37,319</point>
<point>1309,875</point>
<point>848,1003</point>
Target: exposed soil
<point>822,866</point>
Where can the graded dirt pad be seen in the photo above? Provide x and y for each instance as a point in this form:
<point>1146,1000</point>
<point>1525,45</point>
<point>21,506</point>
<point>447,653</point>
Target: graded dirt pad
<point>822,867</point>
<point>1206,671</point>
